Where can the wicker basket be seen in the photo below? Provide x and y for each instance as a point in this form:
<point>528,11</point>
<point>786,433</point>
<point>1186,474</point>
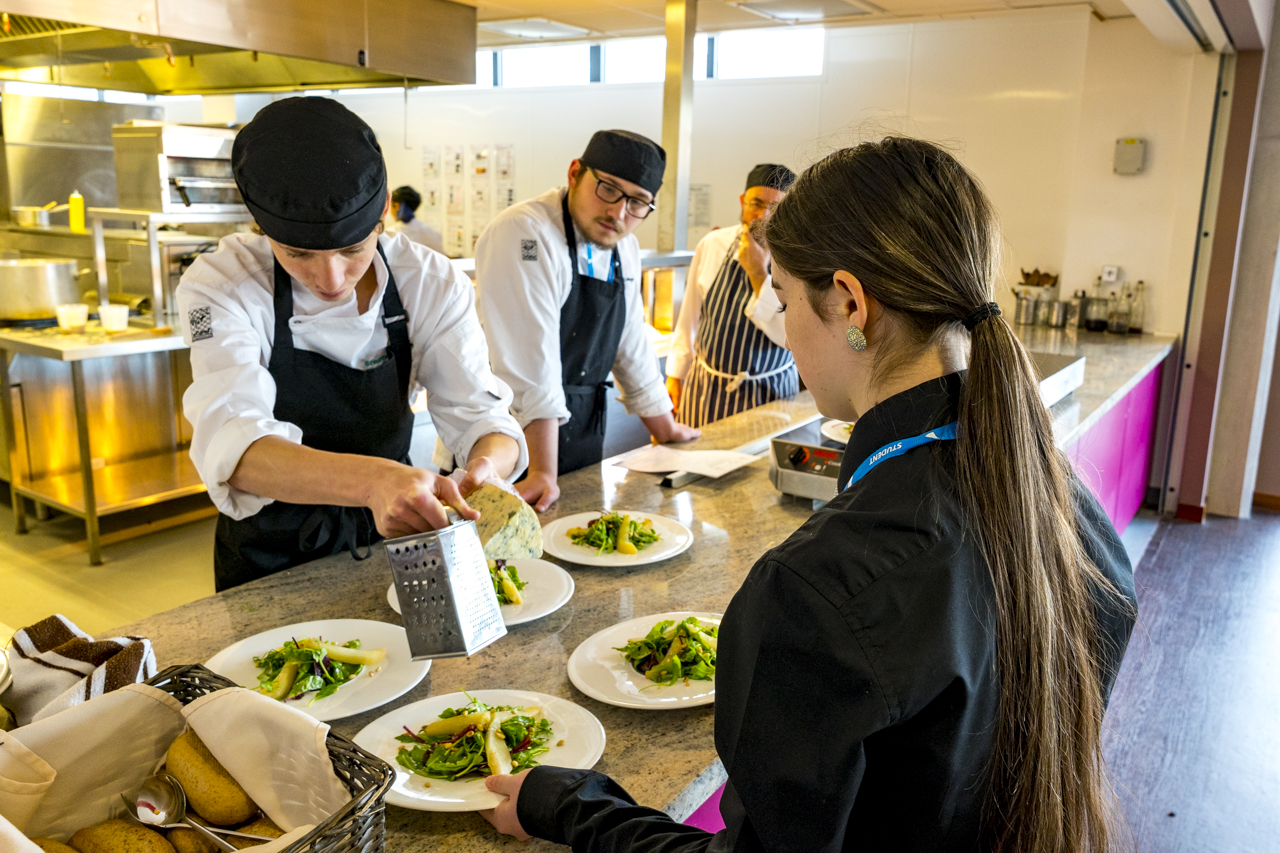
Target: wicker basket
<point>358,827</point>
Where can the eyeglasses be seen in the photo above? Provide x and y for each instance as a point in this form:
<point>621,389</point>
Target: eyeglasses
<point>611,194</point>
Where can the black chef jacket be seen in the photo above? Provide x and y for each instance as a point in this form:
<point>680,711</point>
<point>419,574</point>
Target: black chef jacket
<point>856,689</point>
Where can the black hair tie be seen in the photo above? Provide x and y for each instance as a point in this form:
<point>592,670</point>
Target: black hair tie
<point>982,312</point>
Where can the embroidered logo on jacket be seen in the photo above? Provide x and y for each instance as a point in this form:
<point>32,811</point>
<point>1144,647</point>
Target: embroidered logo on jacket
<point>200,320</point>
<point>528,250</point>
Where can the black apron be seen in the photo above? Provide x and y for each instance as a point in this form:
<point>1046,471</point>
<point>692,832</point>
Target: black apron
<point>591,324</point>
<point>339,409</point>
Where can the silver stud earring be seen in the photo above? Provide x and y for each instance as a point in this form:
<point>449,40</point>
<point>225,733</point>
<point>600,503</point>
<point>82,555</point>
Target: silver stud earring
<point>857,340</point>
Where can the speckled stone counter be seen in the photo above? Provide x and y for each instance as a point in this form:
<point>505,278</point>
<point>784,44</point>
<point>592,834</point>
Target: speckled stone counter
<point>666,759</point>
<point>1113,365</point>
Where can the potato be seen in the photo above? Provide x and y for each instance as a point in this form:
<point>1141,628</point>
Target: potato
<point>190,841</point>
<point>119,836</point>
<point>261,826</point>
<point>211,791</point>
<point>48,845</point>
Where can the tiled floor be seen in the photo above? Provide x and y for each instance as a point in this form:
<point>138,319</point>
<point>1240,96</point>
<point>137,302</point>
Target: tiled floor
<point>47,570</point>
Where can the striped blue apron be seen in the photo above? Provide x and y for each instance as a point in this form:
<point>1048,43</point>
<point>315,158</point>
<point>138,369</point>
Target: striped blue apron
<point>736,367</point>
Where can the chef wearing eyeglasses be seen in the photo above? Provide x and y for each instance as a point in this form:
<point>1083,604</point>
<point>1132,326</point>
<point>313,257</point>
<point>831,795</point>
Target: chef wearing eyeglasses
<point>558,293</point>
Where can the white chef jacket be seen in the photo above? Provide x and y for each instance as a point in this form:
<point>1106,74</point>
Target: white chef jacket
<point>419,232</point>
<point>228,320</point>
<point>763,309</point>
<point>523,280</point>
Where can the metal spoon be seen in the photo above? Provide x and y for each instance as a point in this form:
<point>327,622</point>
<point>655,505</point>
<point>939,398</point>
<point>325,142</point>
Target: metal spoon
<point>162,804</point>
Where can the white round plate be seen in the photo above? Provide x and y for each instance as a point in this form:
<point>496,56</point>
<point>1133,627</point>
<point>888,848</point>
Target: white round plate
<point>547,588</point>
<point>600,671</point>
<point>581,732</point>
<point>399,674</point>
<point>838,431</point>
<point>675,539</point>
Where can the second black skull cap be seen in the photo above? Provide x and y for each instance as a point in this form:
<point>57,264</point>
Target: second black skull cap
<point>311,172</point>
<point>627,155</point>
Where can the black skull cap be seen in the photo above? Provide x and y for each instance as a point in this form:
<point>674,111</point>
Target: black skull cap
<point>627,155</point>
<point>311,173</point>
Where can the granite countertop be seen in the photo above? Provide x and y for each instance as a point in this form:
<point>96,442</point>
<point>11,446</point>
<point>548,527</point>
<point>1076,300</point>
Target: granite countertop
<point>666,759</point>
<point>1113,365</point>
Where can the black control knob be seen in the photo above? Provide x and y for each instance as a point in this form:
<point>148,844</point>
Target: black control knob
<point>798,456</point>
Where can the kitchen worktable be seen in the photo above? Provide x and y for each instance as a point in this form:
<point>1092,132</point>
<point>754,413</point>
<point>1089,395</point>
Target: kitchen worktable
<point>666,759</point>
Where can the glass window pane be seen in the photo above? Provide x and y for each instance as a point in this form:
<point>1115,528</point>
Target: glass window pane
<point>700,57</point>
<point>484,68</point>
<point>789,52</point>
<point>111,96</point>
<point>635,60</point>
<point>561,65</point>
<point>46,90</point>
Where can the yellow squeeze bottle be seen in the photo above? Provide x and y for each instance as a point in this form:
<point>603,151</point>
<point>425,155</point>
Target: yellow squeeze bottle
<point>75,212</point>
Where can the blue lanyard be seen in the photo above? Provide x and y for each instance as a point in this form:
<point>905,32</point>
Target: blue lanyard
<point>591,264</point>
<point>897,448</point>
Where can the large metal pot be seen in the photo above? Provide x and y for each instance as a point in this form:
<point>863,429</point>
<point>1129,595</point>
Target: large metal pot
<point>32,288</point>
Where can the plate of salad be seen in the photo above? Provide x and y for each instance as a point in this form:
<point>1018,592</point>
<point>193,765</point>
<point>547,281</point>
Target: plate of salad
<point>659,662</point>
<point>615,538</point>
<point>837,431</point>
<point>442,747</point>
<point>333,668</point>
<point>526,589</point>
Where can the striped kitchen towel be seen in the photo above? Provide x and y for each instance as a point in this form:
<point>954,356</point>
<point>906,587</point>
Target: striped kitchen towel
<point>56,665</point>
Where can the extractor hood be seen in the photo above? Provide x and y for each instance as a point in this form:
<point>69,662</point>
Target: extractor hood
<point>181,47</point>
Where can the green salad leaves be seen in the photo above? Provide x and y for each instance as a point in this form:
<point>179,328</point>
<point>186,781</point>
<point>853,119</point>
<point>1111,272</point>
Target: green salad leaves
<point>312,666</point>
<point>614,532</point>
<point>476,738</point>
<point>506,582</point>
<point>675,650</point>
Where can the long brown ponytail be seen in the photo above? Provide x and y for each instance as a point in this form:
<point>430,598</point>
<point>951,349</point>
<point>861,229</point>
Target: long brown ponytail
<point>920,235</point>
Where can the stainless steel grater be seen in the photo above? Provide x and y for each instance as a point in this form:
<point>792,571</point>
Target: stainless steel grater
<point>447,602</point>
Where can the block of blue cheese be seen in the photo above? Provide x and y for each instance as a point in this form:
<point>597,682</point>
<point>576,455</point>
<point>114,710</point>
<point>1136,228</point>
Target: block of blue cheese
<point>508,527</point>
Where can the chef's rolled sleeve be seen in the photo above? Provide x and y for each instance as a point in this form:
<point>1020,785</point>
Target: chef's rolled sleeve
<point>465,399</point>
<point>232,397</point>
<point>519,301</point>
<point>644,392</point>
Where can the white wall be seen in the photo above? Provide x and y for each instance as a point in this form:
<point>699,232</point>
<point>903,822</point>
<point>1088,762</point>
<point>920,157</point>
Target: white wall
<point>1032,102</point>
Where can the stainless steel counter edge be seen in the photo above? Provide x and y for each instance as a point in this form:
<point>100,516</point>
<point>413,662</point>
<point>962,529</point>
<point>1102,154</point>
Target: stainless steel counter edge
<point>51,343</point>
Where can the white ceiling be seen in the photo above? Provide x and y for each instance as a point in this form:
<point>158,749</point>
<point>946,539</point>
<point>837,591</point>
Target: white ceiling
<point>618,18</point>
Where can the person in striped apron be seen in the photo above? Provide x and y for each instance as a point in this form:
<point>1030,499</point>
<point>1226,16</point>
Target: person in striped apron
<point>728,353</point>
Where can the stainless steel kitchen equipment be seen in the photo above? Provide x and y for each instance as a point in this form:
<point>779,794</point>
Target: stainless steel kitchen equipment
<point>175,168</point>
<point>31,289</point>
<point>447,602</point>
<point>1025,313</point>
<point>805,463</point>
<point>1058,315</point>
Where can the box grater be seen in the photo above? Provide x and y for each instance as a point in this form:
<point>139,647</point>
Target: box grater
<point>447,602</point>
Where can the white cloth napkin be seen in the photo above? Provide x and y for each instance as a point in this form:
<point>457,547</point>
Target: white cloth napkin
<point>66,772</point>
<point>56,665</point>
<point>96,750</point>
<point>276,753</point>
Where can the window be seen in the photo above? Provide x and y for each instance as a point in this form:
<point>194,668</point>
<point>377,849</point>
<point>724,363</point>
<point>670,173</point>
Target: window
<point>704,57</point>
<point>47,90</point>
<point>789,52</point>
<point>111,96</point>
<point>636,60</point>
<point>486,68</point>
<point>559,65</point>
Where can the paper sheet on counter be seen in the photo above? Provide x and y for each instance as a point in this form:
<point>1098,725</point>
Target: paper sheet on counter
<point>708,463</point>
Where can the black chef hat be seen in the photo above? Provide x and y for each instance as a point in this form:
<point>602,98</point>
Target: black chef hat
<point>627,155</point>
<point>311,173</point>
<point>771,175</point>
<point>407,196</point>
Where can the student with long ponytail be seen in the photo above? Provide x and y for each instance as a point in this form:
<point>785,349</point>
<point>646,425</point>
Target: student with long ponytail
<point>925,664</point>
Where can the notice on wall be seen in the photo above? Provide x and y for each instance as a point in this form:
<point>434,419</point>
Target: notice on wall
<point>504,195</point>
<point>455,200</point>
<point>480,160</point>
<point>430,164</point>
<point>455,237</point>
<point>699,205</point>
<point>454,167</point>
<point>504,166</point>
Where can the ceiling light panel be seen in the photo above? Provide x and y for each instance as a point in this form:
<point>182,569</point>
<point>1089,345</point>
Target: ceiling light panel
<point>533,29</point>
